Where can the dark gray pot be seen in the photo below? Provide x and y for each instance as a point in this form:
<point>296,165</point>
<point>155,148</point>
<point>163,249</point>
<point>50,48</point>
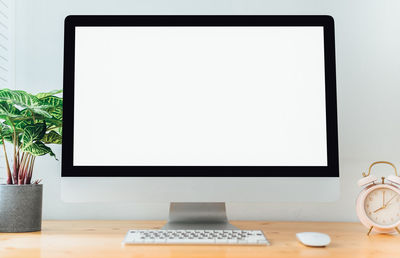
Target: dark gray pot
<point>21,208</point>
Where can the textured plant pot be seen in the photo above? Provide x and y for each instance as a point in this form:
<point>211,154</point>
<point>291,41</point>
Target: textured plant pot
<point>21,208</point>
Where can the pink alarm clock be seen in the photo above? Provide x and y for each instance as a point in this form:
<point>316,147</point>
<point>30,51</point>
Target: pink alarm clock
<point>378,204</point>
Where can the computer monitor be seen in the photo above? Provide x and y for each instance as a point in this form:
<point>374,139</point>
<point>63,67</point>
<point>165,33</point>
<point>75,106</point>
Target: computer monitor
<point>199,109</point>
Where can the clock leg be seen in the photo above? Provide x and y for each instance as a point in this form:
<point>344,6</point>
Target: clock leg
<point>397,229</point>
<point>370,229</point>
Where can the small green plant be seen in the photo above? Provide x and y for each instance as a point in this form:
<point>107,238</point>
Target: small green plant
<point>28,122</point>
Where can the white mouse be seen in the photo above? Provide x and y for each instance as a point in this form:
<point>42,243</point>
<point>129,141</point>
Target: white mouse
<point>313,239</point>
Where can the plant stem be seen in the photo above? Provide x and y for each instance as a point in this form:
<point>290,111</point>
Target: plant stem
<point>15,163</point>
<point>33,116</point>
<point>16,172</point>
<point>25,173</point>
<point>18,160</point>
<point>30,171</point>
<point>15,148</point>
<point>21,169</point>
<point>27,168</point>
<point>9,177</point>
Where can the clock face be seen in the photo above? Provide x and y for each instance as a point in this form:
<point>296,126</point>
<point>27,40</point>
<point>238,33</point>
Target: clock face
<point>382,206</point>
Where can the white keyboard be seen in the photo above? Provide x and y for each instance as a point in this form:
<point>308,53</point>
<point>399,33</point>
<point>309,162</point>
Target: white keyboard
<point>196,237</point>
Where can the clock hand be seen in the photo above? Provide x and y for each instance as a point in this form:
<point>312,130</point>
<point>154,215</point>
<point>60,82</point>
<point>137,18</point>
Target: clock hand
<point>383,201</point>
<point>379,209</point>
<point>385,205</point>
<point>390,200</point>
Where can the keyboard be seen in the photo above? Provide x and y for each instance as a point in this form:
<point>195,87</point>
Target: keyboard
<point>196,237</point>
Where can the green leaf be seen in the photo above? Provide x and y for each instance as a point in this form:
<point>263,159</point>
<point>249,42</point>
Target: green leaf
<point>19,128</point>
<point>6,133</point>
<point>25,100</point>
<point>8,110</point>
<point>39,149</point>
<point>40,111</point>
<point>52,101</point>
<point>22,124</point>
<point>52,137</point>
<point>18,97</point>
<point>56,106</point>
<point>33,133</point>
<point>59,130</point>
<point>31,116</point>
<point>56,113</point>
<point>46,94</point>
<point>52,122</point>
<point>38,118</point>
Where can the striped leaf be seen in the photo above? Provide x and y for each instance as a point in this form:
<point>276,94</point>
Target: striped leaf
<point>25,100</point>
<point>6,133</point>
<point>39,149</point>
<point>52,137</point>
<point>46,94</point>
<point>8,110</point>
<point>22,124</point>
<point>26,116</point>
<point>56,106</point>
<point>52,121</point>
<point>56,113</point>
<point>52,101</point>
<point>33,133</point>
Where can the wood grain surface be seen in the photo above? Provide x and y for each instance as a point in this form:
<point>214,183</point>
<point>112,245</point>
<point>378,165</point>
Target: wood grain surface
<point>103,239</point>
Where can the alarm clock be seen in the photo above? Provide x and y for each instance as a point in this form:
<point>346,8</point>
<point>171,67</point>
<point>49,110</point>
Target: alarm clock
<point>378,204</point>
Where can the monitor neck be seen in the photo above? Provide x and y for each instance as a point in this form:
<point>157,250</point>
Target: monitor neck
<point>198,215</point>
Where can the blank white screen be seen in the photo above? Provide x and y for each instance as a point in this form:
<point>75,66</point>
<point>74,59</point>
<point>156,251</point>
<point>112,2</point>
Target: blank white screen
<point>206,96</point>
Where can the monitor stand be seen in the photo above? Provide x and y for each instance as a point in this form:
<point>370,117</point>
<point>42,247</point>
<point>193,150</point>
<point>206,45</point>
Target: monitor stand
<point>198,215</point>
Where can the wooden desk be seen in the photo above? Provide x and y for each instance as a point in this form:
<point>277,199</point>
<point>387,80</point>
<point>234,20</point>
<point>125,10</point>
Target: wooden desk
<point>103,239</point>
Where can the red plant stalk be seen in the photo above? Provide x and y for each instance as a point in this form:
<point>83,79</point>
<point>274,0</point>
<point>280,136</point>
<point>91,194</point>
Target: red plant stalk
<point>17,167</point>
<point>20,160</point>
<point>15,150</point>
<point>30,171</point>
<point>21,176</point>
<point>25,168</point>
<point>15,174</point>
<point>9,177</point>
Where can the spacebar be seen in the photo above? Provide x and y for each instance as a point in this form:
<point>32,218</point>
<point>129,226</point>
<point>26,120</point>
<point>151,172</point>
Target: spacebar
<point>190,241</point>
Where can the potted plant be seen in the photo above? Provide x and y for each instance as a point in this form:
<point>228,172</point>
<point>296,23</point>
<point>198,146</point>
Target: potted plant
<point>28,123</point>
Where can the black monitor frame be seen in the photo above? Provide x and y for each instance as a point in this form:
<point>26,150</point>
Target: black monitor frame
<point>69,170</point>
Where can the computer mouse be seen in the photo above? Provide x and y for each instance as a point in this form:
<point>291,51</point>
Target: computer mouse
<point>313,239</point>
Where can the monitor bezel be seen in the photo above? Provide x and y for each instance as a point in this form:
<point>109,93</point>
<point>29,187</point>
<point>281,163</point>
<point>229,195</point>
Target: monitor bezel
<point>327,22</point>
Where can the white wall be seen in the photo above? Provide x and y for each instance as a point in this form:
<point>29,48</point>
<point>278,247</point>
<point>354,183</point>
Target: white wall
<point>368,78</point>
<point>7,43</point>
